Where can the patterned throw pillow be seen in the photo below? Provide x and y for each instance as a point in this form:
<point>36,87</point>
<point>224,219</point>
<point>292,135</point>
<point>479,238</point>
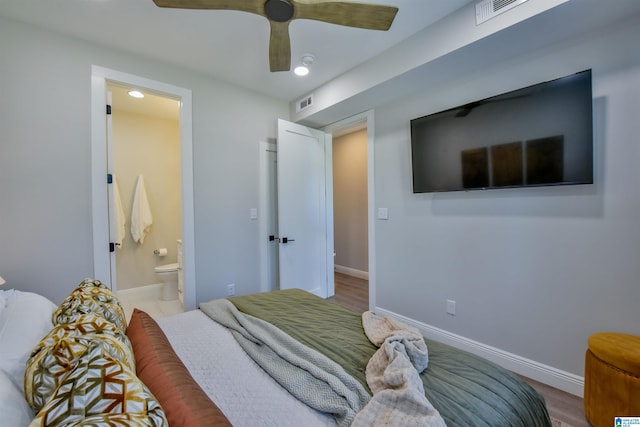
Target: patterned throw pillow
<point>116,420</point>
<point>60,351</point>
<point>91,296</point>
<point>100,390</point>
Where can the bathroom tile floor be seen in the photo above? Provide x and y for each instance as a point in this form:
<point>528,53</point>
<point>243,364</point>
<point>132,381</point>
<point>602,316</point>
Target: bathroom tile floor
<point>155,308</point>
<point>148,300</point>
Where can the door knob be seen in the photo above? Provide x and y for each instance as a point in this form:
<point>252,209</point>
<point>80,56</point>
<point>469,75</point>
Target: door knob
<point>281,240</point>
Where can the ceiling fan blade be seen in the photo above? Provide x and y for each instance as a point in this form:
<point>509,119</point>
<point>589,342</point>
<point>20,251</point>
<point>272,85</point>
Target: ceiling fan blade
<point>279,47</point>
<point>359,15</point>
<point>253,6</point>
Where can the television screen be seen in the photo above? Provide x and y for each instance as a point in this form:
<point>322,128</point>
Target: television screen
<point>538,135</point>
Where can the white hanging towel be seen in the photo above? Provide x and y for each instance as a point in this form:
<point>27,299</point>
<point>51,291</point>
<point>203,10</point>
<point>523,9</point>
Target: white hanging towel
<point>118,211</point>
<point>141,218</point>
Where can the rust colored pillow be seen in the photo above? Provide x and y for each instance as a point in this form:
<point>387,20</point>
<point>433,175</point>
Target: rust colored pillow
<point>160,368</point>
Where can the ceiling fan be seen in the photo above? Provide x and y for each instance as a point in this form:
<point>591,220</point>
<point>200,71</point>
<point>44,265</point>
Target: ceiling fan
<point>281,12</point>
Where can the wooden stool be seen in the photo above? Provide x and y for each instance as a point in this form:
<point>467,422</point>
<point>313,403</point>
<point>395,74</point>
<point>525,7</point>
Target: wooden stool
<point>611,378</point>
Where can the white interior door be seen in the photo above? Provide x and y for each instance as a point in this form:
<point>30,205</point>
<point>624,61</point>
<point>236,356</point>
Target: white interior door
<point>111,195</point>
<point>305,209</point>
<point>268,220</point>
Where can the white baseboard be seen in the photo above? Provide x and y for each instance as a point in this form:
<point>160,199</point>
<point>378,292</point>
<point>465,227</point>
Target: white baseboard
<point>549,375</point>
<point>351,272</point>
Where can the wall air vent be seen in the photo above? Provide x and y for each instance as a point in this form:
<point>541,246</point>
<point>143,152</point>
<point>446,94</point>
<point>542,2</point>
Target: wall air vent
<point>487,9</point>
<point>304,103</point>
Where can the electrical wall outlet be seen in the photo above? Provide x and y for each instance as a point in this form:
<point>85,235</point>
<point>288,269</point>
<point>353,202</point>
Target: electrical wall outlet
<point>451,307</point>
<point>231,289</point>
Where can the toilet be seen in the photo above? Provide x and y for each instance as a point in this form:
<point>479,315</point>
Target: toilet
<point>168,275</point>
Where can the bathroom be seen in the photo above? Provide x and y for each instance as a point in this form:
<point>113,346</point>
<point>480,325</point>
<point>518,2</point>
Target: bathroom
<point>146,146</point>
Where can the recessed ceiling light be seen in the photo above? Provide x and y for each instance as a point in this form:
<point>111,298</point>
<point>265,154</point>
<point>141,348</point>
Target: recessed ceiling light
<point>136,94</point>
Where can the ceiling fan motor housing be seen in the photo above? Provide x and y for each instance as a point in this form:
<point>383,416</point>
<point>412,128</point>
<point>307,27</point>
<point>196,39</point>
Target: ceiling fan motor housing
<point>278,10</point>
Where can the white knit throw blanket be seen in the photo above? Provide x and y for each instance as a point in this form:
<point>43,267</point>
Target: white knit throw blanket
<point>393,374</point>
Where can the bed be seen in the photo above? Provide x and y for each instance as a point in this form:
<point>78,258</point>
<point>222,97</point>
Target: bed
<point>191,370</point>
<point>466,390</point>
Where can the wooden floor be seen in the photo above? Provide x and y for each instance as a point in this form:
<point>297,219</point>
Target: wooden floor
<point>353,293</point>
<point>563,406</point>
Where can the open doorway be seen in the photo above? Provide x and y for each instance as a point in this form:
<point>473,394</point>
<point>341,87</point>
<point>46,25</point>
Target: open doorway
<point>357,286</point>
<point>350,220</point>
<point>363,272</point>
<point>145,165</point>
<point>102,192</point>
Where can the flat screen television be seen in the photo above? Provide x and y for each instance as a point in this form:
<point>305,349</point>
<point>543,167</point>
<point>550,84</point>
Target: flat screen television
<point>534,136</point>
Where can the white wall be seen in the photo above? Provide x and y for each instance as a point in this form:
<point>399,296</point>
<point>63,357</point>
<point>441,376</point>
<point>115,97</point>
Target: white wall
<point>534,271</point>
<point>45,163</point>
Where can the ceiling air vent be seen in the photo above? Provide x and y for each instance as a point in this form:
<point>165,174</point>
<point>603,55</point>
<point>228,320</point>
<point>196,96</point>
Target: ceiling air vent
<point>487,9</point>
<point>304,103</point>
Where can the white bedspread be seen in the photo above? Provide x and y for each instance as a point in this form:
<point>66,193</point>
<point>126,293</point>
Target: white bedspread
<point>246,394</point>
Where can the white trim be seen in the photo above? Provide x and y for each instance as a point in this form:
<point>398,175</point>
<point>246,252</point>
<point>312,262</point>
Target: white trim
<point>328,185</point>
<point>546,374</point>
<point>99,77</point>
<point>352,272</point>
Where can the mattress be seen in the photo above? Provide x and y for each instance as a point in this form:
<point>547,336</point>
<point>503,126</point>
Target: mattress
<point>241,389</point>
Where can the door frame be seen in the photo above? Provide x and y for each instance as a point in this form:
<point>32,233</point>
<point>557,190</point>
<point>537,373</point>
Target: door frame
<point>100,167</point>
<point>367,118</point>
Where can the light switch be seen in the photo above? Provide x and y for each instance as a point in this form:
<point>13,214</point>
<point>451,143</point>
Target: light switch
<point>253,213</point>
<point>383,213</point>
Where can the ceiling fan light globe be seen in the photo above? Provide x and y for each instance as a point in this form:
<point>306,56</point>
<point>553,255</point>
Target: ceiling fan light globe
<point>301,71</point>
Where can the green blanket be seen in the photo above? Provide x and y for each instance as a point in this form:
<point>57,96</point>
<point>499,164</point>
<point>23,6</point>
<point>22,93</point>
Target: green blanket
<point>466,389</point>
<point>315,323</point>
<point>307,374</point>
